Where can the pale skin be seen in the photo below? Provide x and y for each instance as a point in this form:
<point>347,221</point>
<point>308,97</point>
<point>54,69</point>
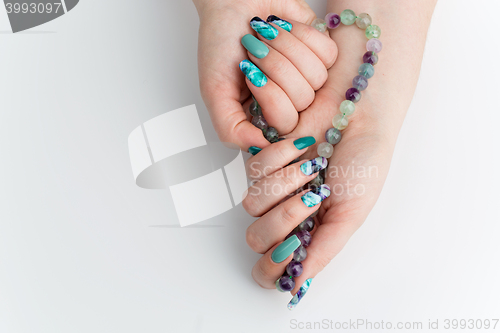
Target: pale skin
<point>367,143</point>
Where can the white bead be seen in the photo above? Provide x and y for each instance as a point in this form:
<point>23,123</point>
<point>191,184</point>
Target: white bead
<point>319,24</point>
<point>340,121</point>
<point>325,150</point>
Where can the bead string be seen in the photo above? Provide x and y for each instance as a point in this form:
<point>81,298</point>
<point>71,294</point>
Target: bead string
<point>333,135</point>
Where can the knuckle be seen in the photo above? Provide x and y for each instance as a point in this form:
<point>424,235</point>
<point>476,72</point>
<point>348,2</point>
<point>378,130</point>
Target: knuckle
<point>249,204</point>
<point>254,241</point>
<point>322,262</point>
<point>319,79</point>
<point>306,97</point>
<point>279,68</point>
<point>259,274</point>
<point>307,33</point>
<point>290,215</point>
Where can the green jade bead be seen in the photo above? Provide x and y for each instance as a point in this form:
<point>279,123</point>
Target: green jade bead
<point>348,17</point>
<point>373,31</point>
<point>347,107</point>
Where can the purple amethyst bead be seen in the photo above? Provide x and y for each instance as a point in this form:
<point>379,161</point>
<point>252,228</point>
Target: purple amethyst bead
<point>374,45</point>
<point>294,268</point>
<point>360,82</point>
<point>300,254</point>
<point>259,122</point>
<point>332,20</point>
<point>286,283</point>
<point>353,95</point>
<point>307,224</point>
<point>370,57</point>
<point>304,237</point>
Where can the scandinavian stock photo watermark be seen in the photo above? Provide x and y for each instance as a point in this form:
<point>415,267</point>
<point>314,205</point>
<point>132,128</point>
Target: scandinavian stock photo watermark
<point>349,181</point>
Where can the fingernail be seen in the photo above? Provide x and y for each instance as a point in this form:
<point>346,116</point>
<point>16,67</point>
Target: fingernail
<point>254,150</point>
<point>280,22</point>
<point>286,248</point>
<point>314,165</point>
<point>253,73</point>
<point>315,197</point>
<point>304,142</point>
<point>255,46</point>
<point>263,28</point>
<point>299,295</point>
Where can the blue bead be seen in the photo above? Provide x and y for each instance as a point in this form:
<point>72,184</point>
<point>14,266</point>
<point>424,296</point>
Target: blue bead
<point>366,70</point>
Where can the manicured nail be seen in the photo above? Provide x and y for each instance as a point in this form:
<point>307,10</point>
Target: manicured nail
<point>314,165</point>
<point>316,196</point>
<point>280,22</point>
<point>304,142</point>
<point>254,150</point>
<point>253,73</point>
<point>286,248</point>
<point>255,46</point>
<point>299,295</point>
<point>263,28</point>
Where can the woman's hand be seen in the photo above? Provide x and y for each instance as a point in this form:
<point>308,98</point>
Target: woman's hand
<point>360,163</point>
<point>295,65</point>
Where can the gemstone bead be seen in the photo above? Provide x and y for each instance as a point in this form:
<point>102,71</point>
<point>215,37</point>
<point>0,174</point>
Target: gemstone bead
<point>370,57</point>
<point>325,149</point>
<point>307,224</point>
<point>374,45</point>
<point>366,70</point>
<point>348,17</point>
<point>271,134</point>
<point>373,31</point>
<point>255,109</point>
<point>285,283</point>
<point>319,24</point>
<point>300,254</point>
<point>363,21</point>
<point>353,94</point>
<point>360,82</point>
<point>340,121</point>
<point>294,268</point>
<point>347,107</point>
<point>332,20</point>
<point>316,182</point>
<point>259,122</point>
<point>333,136</point>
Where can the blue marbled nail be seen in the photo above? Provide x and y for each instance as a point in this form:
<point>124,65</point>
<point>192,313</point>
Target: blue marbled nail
<point>253,73</point>
<point>314,165</point>
<point>315,197</point>
<point>280,22</point>
<point>299,295</point>
<point>263,28</point>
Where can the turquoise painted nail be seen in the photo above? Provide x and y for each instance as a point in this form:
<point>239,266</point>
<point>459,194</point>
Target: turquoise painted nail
<point>299,295</point>
<point>254,150</point>
<point>255,46</point>
<point>286,248</point>
<point>314,165</point>
<point>316,196</point>
<point>253,73</point>
<point>263,28</point>
<point>280,22</point>
<point>304,142</point>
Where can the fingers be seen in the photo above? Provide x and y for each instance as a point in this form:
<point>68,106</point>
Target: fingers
<point>301,55</point>
<point>269,191</point>
<point>271,98</point>
<point>273,263</point>
<point>278,222</point>
<point>277,156</point>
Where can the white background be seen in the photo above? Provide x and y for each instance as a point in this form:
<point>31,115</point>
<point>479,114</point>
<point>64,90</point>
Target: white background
<point>83,249</point>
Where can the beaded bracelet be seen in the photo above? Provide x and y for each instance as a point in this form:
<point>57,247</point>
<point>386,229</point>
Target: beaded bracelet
<point>333,135</point>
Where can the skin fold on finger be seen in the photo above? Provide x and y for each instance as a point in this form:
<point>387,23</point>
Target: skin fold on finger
<point>279,69</point>
<point>276,224</point>
<point>277,156</point>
